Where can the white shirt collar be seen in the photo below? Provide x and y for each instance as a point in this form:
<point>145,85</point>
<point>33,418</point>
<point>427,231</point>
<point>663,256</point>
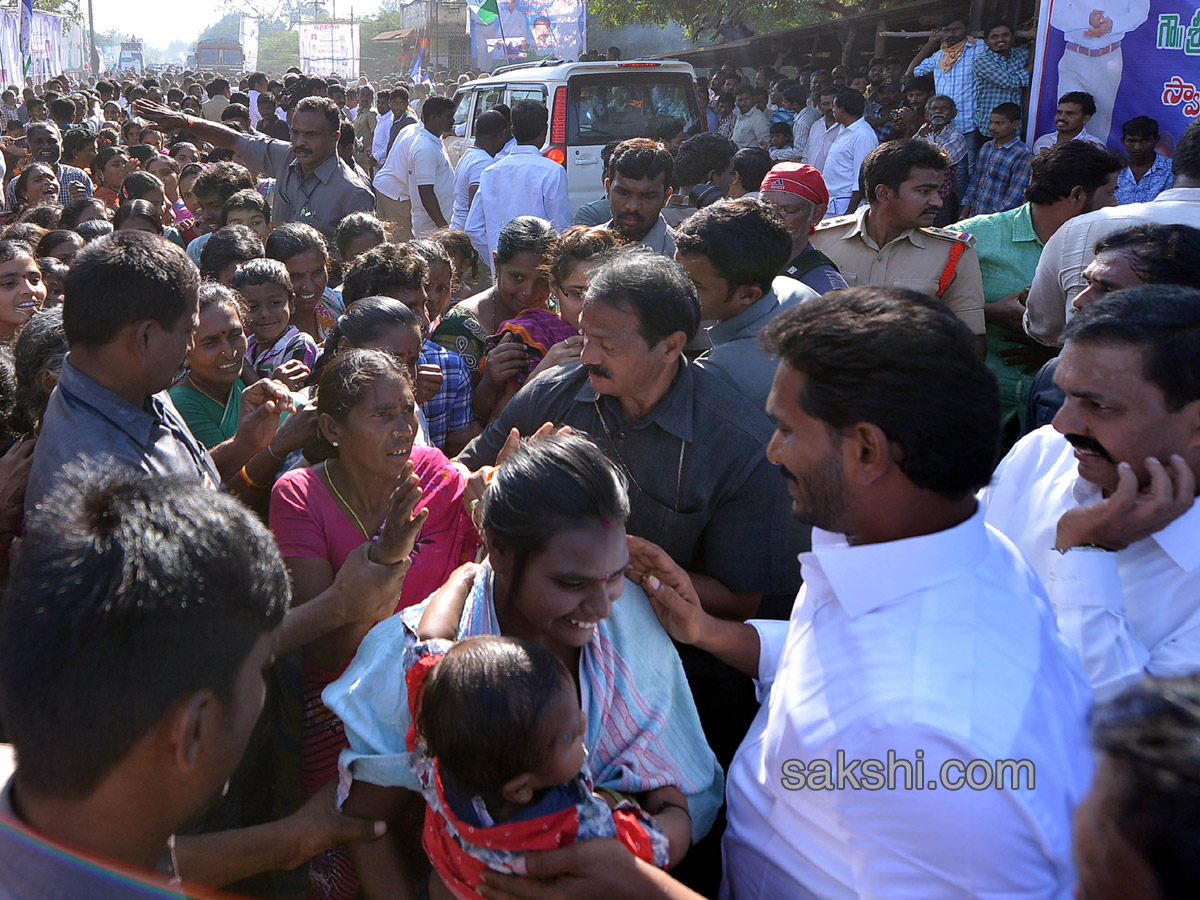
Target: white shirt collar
<point>864,577</point>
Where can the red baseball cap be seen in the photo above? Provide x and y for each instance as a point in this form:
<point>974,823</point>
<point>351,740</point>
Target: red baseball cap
<point>799,179</point>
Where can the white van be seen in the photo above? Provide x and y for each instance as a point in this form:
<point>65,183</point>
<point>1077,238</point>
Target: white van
<point>590,104</point>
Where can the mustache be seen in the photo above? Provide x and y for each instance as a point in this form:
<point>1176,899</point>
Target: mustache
<point>1088,444</point>
<point>598,371</point>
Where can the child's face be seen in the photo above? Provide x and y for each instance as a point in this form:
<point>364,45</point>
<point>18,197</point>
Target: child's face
<point>361,245</point>
<point>563,726</point>
<point>54,290</point>
<point>440,277</point>
<point>268,310</point>
<point>779,139</point>
<point>252,219</point>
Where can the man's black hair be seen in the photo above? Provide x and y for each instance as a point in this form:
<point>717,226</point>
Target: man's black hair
<point>891,164</point>
<point>1056,171</point>
<point>1140,126</point>
<point>745,241</point>
<point>1085,101</point>
<point>658,291</point>
<point>1149,737</point>
<point>133,592</point>
<point>529,120</point>
<point>229,244</point>
<point>126,278</point>
<point>222,181</point>
<point>642,159</point>
<point>852,102</point>
<point>905,363</point>
<point>752,165</point>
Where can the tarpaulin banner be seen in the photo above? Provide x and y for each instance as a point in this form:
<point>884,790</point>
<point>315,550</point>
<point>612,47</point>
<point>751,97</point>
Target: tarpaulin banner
<point>248,38</point>
<point>47,48</point>
<point>328,48</point>
<point>1135,57</point>
<point>528,30</point>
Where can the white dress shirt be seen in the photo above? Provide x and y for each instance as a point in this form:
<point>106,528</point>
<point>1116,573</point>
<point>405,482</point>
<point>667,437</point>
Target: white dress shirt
<point>820,139</point>
<point>383,130</point>
<point>524,183</point>
<point>845,160</point>
<point>255,115</point>
<point>1060,268</point>
<point>393,176</point>
<point>428,164</point>
<point>751,129</point>
<point>1046,141</point>
<point>1127,613</point>
<point>466,174</point>
<point>939,648</point>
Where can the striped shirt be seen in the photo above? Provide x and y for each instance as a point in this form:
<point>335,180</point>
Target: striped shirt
<point>1000,177</point>
<point>958,82</point>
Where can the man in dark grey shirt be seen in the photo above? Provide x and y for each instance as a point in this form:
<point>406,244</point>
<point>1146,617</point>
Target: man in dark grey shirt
<point>129,328</point>
<point>693,448</point>
<point>312,183</point>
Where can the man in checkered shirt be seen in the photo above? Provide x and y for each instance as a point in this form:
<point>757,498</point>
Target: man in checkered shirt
<point>45,146</point>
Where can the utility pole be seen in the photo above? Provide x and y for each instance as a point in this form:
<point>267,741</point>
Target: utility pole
<point>93,56</point>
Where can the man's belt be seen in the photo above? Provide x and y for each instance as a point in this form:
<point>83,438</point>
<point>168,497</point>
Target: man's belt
<point>1094,51</point>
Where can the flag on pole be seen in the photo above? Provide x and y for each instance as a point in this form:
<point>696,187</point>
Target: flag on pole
<point>415,75</point>
<point>487,11</point>
<point>26,36</point>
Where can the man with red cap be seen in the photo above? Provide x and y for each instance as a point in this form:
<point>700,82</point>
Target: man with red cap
<point>797,191</point>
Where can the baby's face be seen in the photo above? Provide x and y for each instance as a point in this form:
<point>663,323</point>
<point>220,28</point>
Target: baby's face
<point>563,726</point>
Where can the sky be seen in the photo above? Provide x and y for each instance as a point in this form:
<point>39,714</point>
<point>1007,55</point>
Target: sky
<point>158,22</point>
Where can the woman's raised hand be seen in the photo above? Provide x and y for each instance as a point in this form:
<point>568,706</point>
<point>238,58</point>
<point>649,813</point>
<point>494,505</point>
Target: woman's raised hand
<point>403,526</point>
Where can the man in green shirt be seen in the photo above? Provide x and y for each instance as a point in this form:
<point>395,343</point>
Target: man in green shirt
<point>1068,180</point>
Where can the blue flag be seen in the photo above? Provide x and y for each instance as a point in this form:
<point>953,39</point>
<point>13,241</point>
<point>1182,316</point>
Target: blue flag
<point>415,75</point>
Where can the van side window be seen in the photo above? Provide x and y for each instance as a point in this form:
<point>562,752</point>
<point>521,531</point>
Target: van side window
<point>603,108</point>
<point>517,94</point>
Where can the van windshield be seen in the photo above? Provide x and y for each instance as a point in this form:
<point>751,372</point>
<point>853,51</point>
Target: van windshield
<point>615,107</point>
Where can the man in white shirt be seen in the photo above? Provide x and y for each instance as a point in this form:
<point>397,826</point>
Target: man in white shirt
<point>846,156</point>
<point>1059,274</point>
<point>491,134</point>
<point>824,131</point>
<point>383,130</point>
<point>523,183</point>
<point>393,200</point>
<point>256,84</point>
<point>1101,502</point>
<point>430,175</point>
<point>753,126</point>
<point>1071,117</point>
<point>920,645</point>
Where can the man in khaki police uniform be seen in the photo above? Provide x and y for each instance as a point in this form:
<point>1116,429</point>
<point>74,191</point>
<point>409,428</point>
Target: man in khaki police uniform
<point>885,243</point>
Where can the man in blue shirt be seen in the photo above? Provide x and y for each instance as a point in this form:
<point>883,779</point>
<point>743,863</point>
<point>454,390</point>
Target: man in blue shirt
<point>1148,173</point>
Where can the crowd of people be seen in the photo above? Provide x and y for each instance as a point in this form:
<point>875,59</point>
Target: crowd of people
<point>377,525</point>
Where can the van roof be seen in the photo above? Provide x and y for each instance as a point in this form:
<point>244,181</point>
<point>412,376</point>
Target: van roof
<point>557,70</point>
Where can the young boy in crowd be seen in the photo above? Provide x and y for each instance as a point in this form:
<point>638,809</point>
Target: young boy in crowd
<point>781,141</point>
<point>248,207</point>
<point>273,341</point>
<point>1002,169</point>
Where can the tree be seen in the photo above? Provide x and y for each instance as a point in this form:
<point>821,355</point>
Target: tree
<point>68,9</point>
<point>707,20</point>
<point>285,13</point>
<point>277,50</point>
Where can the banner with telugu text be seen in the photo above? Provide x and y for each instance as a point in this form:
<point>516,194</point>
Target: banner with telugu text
<point>1135,57</point>
<point>527,30</point>
<point>328,48</point>
<point>248,38</point>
